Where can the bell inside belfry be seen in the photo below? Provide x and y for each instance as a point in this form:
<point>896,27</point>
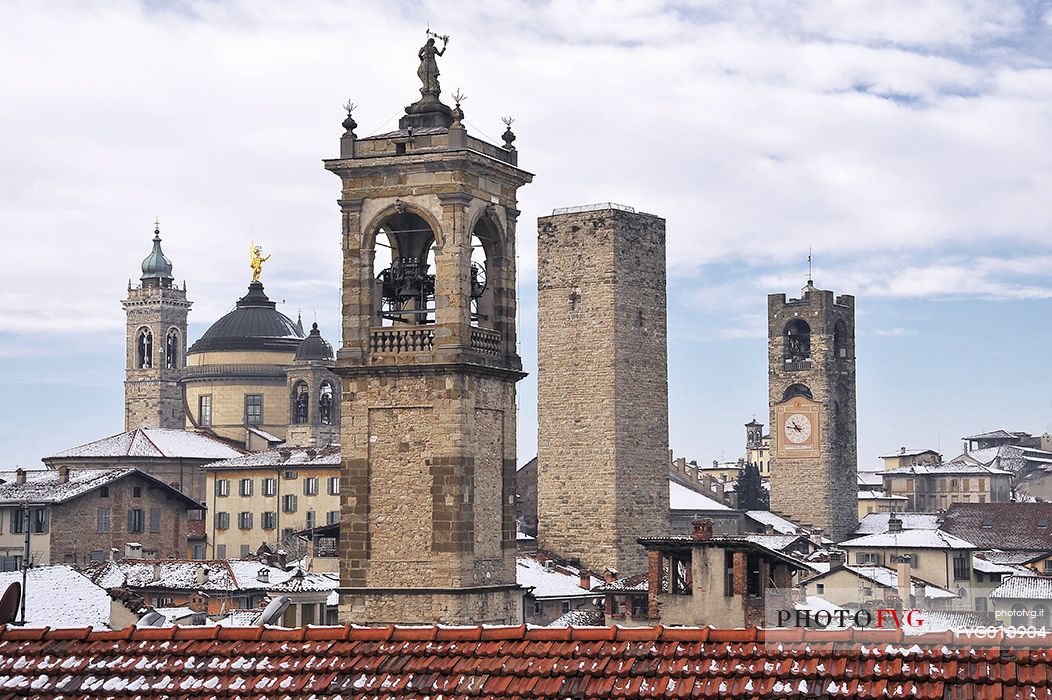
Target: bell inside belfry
<point>405,285</point>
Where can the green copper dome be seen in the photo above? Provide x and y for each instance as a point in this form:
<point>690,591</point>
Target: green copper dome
<point>156,267</point>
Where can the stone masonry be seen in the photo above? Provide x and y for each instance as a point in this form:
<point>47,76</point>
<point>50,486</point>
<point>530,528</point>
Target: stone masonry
<point>821,491</point>
<point>602,453</point>
<point>428,405</point>
<point>153,397</point>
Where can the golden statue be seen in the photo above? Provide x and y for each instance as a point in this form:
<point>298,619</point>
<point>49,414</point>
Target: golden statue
<point>257,260</point>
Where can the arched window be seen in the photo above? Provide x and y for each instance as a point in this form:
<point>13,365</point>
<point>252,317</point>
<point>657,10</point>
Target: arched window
<point>144,349</point>
<point>796,390</point>
<point>171,349</point>
<point>840,341</point>
<point>325,400</point>
<point>797,342</point>
<point>300,403</point>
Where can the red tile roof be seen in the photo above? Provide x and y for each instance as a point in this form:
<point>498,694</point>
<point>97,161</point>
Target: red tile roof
<point>515,662</point>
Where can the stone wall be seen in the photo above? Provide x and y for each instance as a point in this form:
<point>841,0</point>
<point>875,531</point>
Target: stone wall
<point>822,491</point>
<point>602,452</point>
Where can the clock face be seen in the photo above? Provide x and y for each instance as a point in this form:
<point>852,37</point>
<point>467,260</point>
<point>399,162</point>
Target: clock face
<point>797,428</point>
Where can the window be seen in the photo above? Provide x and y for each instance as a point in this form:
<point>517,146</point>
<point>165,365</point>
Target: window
<point>820,588</point>
<point>311,520</point>
<point>966,484</point>
<point>144,349</point>
<point>222,487</point>
<point>289,475</point>
<point>253,409</point>
<point>325,403</point>
<point>136,520</point>
<point>102,520</point>
<point>97,555</point>
<point>867,591</point>
<point>244,487</point>
<point>244,520</point>
<point>300,403</point>
<point>104,492</point>
<point>220,551</point>
<point>204,410</point>
<point>197,552</point>
<point>909,484</point>
<point>136,491</point>
<point>155,520</point>
<point>245,551</point>
<point>171,349</point>
<point>270,487</point>
<point>982,484</point>
<point>868,558</point>
<point>40,521</point>
<point>961,568</point>
<point>566,606</point>
<point>953,484</point>
<point>728,579</point>
<point>16,521</point>
<point>286,534</point>
<point>310,486</point>
<point>332,517</point>
<point>268,520</point>
<point>222,521</point>
<point>334,486</point>
<point>289,503</point>
<point>1047,564</point>
<point>536,607</point>
<point>797,344</point>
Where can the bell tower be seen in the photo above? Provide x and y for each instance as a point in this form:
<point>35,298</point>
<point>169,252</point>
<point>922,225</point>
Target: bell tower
<point>156,346</point>
<point>428,368</point>
<point>811,373</point>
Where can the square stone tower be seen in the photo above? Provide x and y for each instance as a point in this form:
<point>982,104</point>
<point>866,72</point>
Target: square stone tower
<point>428,369</point>
<point>602,452</point>
<point>811,373</point>
<point>155,347</point>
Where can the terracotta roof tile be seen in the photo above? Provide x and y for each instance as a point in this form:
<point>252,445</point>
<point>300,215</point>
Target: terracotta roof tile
<point>516,662</point>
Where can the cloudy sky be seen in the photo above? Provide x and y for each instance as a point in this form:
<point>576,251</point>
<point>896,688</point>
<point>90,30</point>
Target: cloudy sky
<point>906,142</point>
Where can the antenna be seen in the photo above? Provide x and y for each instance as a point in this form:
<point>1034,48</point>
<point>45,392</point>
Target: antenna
<point>810,275</point>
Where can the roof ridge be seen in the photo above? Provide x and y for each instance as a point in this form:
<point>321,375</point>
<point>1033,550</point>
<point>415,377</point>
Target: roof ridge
<point>150,440</point>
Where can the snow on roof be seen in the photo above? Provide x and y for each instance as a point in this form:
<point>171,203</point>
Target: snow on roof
<point>870,479</point>
<point>154,443</point>
<point>983,565</point>
<point>283,457</point>
<point>816,603</point>
<point>58,596</point>
<point>269,437</point>
<point>557,582</point>
<point>239,618</point>
<point>1024,588</point>
<point>995,435</point>
<point>777,543</point>
<point>682,498</point>
<point>913,539</point>
<point>780,524</point>
<point>889,578</point>
<point>302,582</point>
<point>908,453</point>
<point>182,574</point>
<point>955,466</point>
<point>42,485</point>
<point>580,618</point>
<point>880,495</point>
<point>878,522</point>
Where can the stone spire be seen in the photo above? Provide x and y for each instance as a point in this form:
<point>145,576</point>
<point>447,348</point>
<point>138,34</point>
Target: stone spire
<point>156,268</point>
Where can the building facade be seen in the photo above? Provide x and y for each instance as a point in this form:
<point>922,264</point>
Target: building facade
<point>602,387</point>
<point>811,376</point>
<point>428,366</point>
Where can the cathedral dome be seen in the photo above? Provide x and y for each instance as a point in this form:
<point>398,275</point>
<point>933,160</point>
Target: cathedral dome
<point>314,347</point>
<point>255,324</point>
<point>156,267</point>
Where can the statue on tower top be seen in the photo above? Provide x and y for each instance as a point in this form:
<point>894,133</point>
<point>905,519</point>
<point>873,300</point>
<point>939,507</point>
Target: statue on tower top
<point>256,260</point>
<point>428,70</point>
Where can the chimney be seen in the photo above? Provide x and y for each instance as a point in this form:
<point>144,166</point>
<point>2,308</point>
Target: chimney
<point>263,576</point>
<point>837,557</point>
<point>20,476</point>
<point>156,573</point>
<point>202,574</point>
<point>702,530</point>
<point>894,523</point>
<point>63,474</point>
<point>586,579</point>
<point>816,535</point>
<point>609,575</point>
<point>902,450</point>
<point>133,550</point>
<point>768,529</point>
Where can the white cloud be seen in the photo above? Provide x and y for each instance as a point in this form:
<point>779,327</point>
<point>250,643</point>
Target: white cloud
<point>896,332</point>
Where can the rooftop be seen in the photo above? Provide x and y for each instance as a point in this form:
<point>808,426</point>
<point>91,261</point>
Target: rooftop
<point>681,497</point>
<point>601,206</point>
<point>1005,526</point>
<point>878,522</point>
<point>913,539</point>
<point>518,662</point>
<point>254,324</point>
<point>223,575</point>
<point>956,466</point>
<point>45,485</point>
<point>903,452</point>
<point>58,596</point>
<point>781,525</point>
<point>154,443</point>
<point>281,457</point>
<point>889,578</point>
<point>556,581</point>
<point>1024,588</point>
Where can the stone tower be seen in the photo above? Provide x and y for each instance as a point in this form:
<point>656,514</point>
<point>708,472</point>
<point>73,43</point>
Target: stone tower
<point>811,374</point>
<point>314,412</point>
<point>428,368</point>
<point>602,453</point>
<point>156,346</point>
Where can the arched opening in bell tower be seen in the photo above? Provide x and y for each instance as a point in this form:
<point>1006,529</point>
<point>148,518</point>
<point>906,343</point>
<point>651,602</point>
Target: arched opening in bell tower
<point>485,246</point>
<point>300,403</point>
<point>797,343</point>
<point>144,349</point>
<point>404,271</point>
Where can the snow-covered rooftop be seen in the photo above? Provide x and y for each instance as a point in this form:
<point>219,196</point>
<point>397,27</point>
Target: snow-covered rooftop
<point>153,443</point>
<point>682,498</point>
<point>956,466</point>
<point>983,565</point>
<point>880,496</point>
<point>283,457</point>
<point>46,485</point>
<point>913,539</point>
<point>561,581</point>
<point>58,596</point>
<point>183,574</point>
<point>1024,588</point>
<point>889,578</point>
<point>878,522</point>
<point>778,543</point>
<point>303,582</point>
<point>780,524</point>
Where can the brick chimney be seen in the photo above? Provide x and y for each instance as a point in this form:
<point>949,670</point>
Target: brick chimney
<point>63,474</point>
<point>20,476</point>
<point>586,579</point>
<point>702,530</point>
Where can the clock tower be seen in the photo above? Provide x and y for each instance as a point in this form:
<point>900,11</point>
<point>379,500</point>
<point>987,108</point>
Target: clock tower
<point>811,375</point>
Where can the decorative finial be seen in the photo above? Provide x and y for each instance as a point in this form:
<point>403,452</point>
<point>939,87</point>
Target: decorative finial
<point>810,272</point>
<point>458,113</point>
<point>508,135</point>
<point>156,226</point>
<point>256,260</point>
<point>349,122</point>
